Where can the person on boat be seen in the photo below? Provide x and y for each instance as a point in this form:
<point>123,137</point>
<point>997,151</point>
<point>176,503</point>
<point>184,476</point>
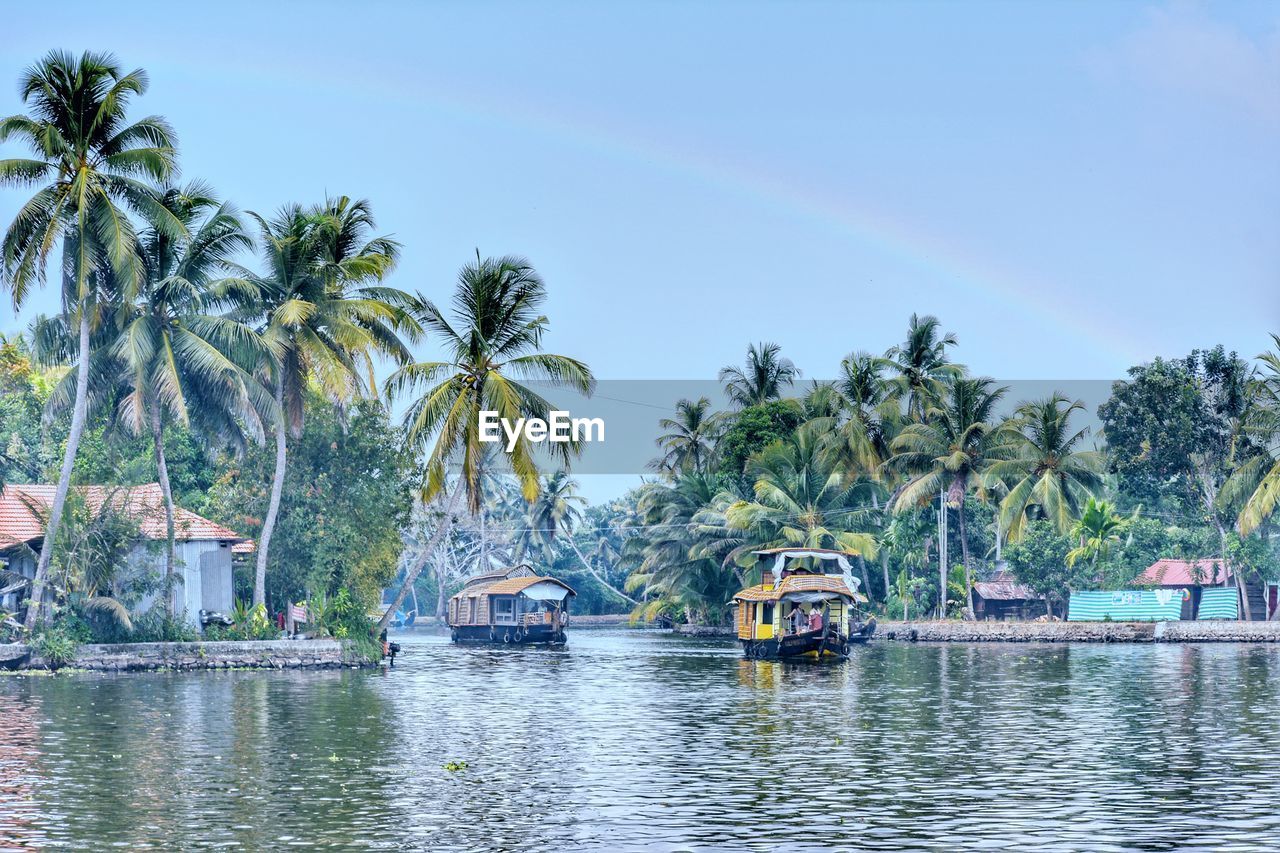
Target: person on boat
<point>815,620</point>
<point>797,619</point>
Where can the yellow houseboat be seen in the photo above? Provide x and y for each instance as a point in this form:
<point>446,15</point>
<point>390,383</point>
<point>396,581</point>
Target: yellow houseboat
<point>515,606</point>
<point>805,606</point>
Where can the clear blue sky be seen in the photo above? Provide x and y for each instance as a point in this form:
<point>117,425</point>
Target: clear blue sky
<point>1071,186</point>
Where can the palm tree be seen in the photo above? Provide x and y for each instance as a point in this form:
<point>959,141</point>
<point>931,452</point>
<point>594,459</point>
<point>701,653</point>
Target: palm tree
<point>1255,486</point>
<point>86,161</point>
<point>672,572</point>
<point>689,441</point>
<point>552,518</point>
<point>1099,527</point>
<point>921,365</point>
<point>181,361</point>
<point>325,315</point>
<point>767,373</point>
<point>494,341</point>
<point>1042,466</point>
<point>949,451</point>
<point>803,498</point>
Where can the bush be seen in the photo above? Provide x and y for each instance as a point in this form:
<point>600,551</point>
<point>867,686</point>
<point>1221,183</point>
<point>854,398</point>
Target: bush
<point>56,644</point>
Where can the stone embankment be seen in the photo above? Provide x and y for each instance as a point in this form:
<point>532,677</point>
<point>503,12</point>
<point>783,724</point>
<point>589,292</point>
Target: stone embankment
<point>1081,632</point>
<point>255,654</point>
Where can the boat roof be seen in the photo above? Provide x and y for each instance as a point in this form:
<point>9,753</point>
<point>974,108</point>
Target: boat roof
<point>500,584</point>
<point>798,584</point>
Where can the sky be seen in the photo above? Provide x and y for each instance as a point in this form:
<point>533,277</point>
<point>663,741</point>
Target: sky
<point>1072,187</point>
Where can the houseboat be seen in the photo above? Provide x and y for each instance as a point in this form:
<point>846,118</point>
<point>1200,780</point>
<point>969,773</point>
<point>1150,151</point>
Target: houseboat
<point>515,606</point>
<point>806,606</point>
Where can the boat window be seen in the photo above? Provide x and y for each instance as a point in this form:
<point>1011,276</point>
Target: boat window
<point>766,613</point>
<point>504,610</point>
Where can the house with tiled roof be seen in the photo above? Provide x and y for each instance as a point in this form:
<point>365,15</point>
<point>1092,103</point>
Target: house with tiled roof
<point>205,550</point>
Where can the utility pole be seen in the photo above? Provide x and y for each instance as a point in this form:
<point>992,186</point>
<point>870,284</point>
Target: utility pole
<point>942,553</point>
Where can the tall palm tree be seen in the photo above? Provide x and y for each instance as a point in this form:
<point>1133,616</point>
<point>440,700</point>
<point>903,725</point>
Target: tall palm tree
<point>871,411</point>
<point>494,341</point>
<point>803,498</point>
<point>181,361</point>
<point>1097,530</point>
<point>87,163</point>
<point>766,375</point>
<point>949,451</point>
<point>324,314</point>
<point>1255,486</point>
<point>689,441</point>
<point>921,365</point>
<point>1037,455</point>
<point>552,518</point>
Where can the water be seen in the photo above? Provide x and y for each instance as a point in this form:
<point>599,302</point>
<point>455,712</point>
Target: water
<point>644,741</point>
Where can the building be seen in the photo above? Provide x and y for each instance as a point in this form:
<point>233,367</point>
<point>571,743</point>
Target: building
<point>1002,597</point>
<point>204,549</point>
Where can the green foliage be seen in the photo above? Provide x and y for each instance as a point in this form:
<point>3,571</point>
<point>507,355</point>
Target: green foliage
<point>347,494</point>
<point>752,429</point>
<point>56,644</point>
<point>1039,561</point>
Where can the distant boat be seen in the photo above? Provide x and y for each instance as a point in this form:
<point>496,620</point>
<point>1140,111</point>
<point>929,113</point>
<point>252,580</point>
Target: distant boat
<point>801,609</point>
<point>512,606</point>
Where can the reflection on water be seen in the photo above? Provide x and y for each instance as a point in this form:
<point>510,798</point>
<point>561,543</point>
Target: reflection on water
<point>639,740</point>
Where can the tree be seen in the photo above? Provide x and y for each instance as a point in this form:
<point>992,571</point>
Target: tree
<point>803,499</point>
<point>494,341</point>
<point>949,451</point>
<point>921,366</point>
<point>324,315</point>
<point>86,164</point>
<point>689,441</point>
<point>1255,486</point>
<point>1039,459</point>
<point>765,376</point>
<point>179,360</point>
<point>1039,560</point>
<point>1098,530</point>
<point>752,429</point>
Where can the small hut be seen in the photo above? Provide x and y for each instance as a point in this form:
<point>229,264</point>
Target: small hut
<point>1002,597</point>
<point>515,605</point>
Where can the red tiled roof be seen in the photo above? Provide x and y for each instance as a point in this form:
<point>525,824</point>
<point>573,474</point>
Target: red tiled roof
<point>1185,572</point>
<point>798,583</point>
<point>145,504</point>
<point>1004,587</point>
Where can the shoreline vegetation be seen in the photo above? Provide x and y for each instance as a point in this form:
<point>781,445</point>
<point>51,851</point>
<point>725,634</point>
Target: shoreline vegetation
<point>230,358</point>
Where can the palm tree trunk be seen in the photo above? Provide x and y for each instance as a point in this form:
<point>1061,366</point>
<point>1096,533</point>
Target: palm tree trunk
<point>964,556</point>
<point>442,600</point>
<point>162,473</point>
<point>866,580</point>
<point>594,574</point>
<point>884,567</point>
<point>79,413</point>
<point>442,530</point>
<point>273,508</point>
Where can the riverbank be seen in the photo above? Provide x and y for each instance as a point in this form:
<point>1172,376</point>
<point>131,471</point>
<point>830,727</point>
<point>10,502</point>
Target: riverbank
<point>253,654</point>
<point>1080,632</point>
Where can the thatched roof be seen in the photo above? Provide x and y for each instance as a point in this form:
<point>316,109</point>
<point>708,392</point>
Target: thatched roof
<point>798,583</point>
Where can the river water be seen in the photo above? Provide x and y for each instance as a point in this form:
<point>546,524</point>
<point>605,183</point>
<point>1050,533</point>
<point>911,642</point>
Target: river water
<point>630,740</point>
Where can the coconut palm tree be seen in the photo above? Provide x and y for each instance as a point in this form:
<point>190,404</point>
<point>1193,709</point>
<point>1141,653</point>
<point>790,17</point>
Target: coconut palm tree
<point>494,342</point>
<point>1255,486</point>
<point>552,518</point>
<point>803,498</point>
<point>671,572</point>
<point>870,409</point>
<point>1098,529</point>
<point>949,450</point>
<point>1038,457</point>
<point>86,163</point>
<point>689,441</point>
<point>766,375</point>
<point>180,360</point>
<point>324,314</point>
<point>921,365</point>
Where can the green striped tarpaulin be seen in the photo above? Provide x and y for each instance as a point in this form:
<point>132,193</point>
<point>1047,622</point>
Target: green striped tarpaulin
<point>1126,605</point>
<point>1219,603</point>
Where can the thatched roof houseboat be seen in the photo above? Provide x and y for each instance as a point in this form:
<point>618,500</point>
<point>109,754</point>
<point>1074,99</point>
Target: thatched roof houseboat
<point>804,606</point>
<point>515,605</point>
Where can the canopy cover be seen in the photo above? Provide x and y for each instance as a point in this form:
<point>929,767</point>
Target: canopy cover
<point>545,591</point>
